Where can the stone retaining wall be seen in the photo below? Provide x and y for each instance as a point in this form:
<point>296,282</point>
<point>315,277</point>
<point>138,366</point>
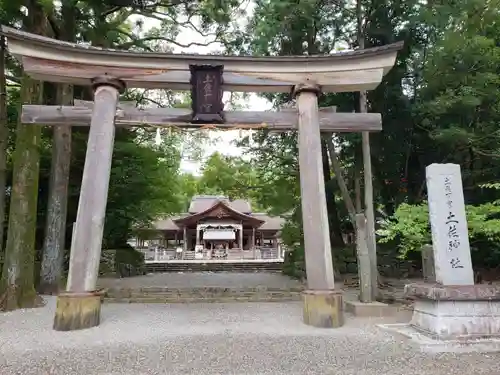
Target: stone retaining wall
<point>213,267</point>
<point>201,295</point>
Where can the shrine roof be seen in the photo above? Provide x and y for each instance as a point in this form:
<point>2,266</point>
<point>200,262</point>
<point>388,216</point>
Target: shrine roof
<point>58,61</point>
<point>201,203</point>
<point>271,223</point>
<point>209,203</point>
<point>224,207</point>
<point>167,224</point>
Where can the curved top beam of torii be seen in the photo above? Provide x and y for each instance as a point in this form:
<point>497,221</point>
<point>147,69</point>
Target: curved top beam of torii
<point>56,61</point>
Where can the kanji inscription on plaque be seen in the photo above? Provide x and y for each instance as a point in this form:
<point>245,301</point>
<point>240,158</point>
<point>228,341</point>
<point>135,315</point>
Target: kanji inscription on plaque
<point>206,94</point>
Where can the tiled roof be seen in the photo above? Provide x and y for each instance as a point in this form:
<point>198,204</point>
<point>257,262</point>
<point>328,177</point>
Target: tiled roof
<point>202,203</point>
<point>270,222</point>
<point>166,224</point>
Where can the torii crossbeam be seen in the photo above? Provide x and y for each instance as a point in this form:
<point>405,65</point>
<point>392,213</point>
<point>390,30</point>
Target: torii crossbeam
<point>128,115</point>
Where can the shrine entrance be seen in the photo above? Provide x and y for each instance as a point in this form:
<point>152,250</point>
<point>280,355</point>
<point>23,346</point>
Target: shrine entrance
<point>110,72</point>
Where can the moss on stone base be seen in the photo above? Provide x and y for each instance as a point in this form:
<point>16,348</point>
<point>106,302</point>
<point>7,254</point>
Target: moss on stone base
<point>76,311</point>
<point>323,308</point>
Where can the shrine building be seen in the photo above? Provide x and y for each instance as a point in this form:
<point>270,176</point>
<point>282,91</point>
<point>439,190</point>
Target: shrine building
<point>215,228</point>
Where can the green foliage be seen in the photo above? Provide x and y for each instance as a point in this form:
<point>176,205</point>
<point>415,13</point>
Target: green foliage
<point>225,175</point>
<point>188,188</point>
<point>231,176</point>
<point>291,233</point>
<point>409,227</point>
<point>493,185</point>
<point>129,262</point>
<point>292,237</point>
<point>107,263</point>
<point>275,164</point>
<point>143,186</point>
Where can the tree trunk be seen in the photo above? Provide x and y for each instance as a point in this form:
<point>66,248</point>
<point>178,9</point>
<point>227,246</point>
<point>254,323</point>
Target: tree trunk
<point>17,277</point>
<point>357,189</point>
<point>4,132</point>
<point>336,239</point>
<point>55,228</point>
<point>367,168</point>
<point>337,168</point>
<point>17,283</point>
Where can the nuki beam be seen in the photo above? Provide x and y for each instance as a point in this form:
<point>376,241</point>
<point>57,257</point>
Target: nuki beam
<point>128,115</point>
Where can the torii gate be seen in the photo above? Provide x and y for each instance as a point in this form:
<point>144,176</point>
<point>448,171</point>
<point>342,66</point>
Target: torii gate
<point>109,72</point>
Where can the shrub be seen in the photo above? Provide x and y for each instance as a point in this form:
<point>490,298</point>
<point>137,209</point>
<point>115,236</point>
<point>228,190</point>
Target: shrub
<point>409,228</point>
<point>129,262</point>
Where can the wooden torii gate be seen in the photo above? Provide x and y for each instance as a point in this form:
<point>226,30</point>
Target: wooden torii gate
<point>109,72</point>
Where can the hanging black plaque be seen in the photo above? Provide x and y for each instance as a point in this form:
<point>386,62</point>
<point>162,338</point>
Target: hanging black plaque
<point>206,94</point>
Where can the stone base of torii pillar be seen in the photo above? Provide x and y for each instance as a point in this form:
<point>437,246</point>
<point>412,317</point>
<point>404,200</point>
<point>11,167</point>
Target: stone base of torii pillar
<point>451,314</point>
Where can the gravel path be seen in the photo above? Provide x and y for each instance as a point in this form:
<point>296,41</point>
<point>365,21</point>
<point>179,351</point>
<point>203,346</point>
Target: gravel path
<point>217,339</point>
<point>203,279</point>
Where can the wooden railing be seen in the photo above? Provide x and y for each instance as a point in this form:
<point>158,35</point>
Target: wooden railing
<point>262,253</point>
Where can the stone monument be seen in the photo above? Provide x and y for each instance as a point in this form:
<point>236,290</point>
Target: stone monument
<point>452,308</point>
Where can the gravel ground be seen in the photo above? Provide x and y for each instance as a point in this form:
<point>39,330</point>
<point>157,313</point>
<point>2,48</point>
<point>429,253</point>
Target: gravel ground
<point>235,338</point>
<point>202,279</point>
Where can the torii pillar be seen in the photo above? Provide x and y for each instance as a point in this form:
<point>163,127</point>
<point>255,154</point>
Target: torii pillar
<point>80,306</point>
<point>322,302</point>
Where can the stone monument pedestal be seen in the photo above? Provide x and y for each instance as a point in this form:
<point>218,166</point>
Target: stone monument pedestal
<point>456,312</point>
<point>451,313</point>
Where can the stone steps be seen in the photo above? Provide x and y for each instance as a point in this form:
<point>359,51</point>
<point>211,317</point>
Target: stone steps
<point>201,295</point>
<point>213,267</point>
